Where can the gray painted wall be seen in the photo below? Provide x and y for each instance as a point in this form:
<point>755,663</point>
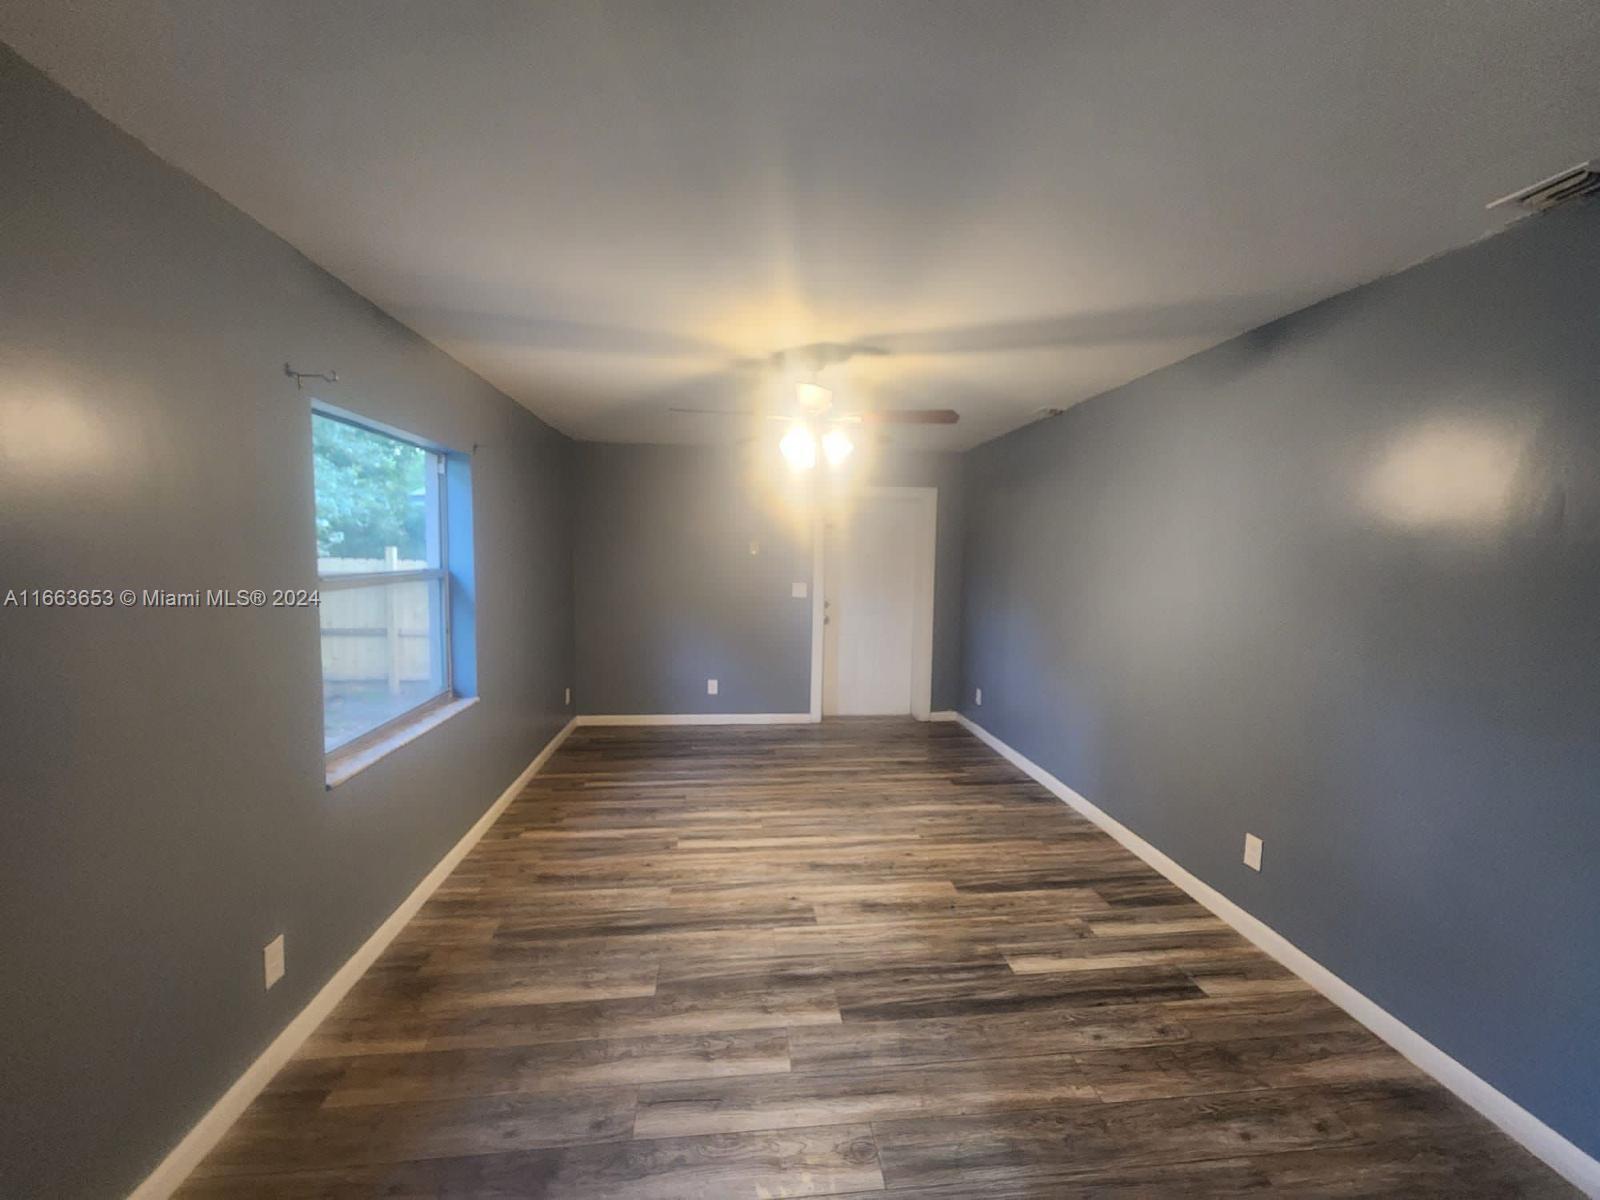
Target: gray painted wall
<point>1337,582</point>
<point>669,595</point>
<point>162,771</point>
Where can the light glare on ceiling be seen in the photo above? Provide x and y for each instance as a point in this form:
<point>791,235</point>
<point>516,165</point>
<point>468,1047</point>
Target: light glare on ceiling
<point>836,446</point>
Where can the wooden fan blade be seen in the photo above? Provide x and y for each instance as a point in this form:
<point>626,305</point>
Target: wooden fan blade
<point>906,416</point>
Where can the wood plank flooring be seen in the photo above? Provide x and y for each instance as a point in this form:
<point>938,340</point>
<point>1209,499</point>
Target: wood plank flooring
<point>856,959</point>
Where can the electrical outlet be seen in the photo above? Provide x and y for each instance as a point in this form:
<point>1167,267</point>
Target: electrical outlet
<point>568,699</point>
<point>711,687</point>
<point>978,697</point>
<point>1252,851</point>
<point>798,591</point>
<point>755,546</point>
<point>272,960</point>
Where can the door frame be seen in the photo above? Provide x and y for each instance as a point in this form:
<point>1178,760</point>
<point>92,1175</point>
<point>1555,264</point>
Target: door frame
<point>927,507</point>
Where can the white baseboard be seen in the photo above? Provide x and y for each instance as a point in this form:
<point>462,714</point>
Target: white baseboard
<point>1562,1155</point>
<point>696,719</point>
<point>944,714</point>
<point>198,1142</point>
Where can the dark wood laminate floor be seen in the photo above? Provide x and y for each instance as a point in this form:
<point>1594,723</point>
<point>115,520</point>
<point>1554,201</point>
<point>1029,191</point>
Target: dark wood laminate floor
<point>841,960</point>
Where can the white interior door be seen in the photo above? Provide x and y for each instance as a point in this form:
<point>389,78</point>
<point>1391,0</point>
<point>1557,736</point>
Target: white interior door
<point>870,574</point>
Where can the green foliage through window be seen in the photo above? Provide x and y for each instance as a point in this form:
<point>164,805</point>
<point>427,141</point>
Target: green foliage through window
<point>371,492</point>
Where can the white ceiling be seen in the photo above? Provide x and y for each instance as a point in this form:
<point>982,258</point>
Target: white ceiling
<point>604,208</point>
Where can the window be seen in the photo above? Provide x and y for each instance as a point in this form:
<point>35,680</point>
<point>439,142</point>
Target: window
<point>382,563</point>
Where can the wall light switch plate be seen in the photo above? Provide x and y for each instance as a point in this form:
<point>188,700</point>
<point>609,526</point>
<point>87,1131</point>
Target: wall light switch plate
<point>568,699</point>
<point>272,960</point>
<point>1252,851</point>
<point>755,546</point>
<point>978,698</point>
<point>711,687</point>
<point>798,591</point>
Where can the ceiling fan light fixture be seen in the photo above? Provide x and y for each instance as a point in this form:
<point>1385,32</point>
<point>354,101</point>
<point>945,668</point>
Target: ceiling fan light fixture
<point>799,447</point>
<point>836,446</point>
<point>813,397</point>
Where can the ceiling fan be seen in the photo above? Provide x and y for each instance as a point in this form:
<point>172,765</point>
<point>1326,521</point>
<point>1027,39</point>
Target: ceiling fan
<point>813,405</point>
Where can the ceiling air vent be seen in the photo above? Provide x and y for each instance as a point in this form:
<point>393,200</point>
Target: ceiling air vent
<point>1580,180</point>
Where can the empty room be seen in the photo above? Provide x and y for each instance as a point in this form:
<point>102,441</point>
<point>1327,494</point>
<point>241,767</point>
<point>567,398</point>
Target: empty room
<point>733,599</point>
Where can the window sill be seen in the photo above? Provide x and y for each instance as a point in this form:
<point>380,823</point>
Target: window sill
<point>352,759</point>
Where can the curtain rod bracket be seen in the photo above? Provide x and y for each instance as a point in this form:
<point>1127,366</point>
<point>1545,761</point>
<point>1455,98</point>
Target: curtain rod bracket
<point>300,377</point>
